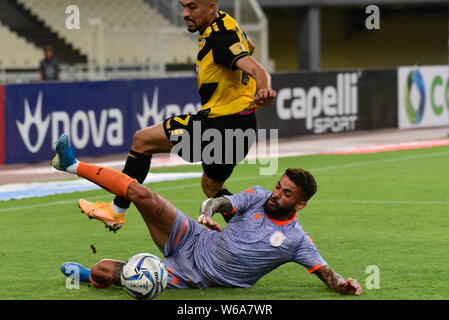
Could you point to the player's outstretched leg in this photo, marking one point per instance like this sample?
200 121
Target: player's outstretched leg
103 274
112 180
146 142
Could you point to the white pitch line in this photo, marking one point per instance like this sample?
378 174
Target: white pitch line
346 165
424 202
40 189
365 163
48 204
403 202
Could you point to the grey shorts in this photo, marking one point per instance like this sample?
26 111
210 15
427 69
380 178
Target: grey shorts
179 254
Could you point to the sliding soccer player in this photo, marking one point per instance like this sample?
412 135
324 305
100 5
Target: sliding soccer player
263 234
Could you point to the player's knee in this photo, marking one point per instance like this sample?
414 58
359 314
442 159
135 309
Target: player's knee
138 193
102 272
140 141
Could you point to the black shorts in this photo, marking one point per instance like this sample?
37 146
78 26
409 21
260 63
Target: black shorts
219 143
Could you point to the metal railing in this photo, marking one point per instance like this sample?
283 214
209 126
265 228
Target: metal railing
247 12
81 72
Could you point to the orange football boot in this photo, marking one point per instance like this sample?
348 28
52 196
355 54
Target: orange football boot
102 211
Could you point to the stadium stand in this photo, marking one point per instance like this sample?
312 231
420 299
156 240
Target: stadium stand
24 54
130 29
28 26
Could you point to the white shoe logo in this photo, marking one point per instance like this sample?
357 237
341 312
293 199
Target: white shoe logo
36 119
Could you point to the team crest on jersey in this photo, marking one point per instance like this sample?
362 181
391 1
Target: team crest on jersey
237 48
277 239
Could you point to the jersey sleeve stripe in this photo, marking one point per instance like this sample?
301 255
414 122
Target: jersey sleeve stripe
234 210
237 58
315 268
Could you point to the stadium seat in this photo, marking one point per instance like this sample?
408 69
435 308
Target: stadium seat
129 28
15 52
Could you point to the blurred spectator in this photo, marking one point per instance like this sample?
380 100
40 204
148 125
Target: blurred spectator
49 66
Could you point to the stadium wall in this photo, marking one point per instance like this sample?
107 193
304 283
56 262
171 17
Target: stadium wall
101 117
2 126
408 35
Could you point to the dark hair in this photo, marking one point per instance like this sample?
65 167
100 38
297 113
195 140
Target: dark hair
304 180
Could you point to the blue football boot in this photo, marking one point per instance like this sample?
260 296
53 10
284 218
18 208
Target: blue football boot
65 156
70 268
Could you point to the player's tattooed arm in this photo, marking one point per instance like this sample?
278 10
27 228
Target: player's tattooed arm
328 276
336 282
211 206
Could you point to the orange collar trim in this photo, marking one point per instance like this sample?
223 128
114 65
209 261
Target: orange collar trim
282 222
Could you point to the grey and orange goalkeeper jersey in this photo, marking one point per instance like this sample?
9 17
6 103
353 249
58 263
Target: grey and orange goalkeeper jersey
250 246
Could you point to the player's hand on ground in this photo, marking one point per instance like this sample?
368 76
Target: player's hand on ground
349 286
265 97
209 222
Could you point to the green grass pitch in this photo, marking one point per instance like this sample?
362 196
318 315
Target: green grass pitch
386 209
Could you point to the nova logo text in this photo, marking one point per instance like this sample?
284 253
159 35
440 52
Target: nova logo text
98 127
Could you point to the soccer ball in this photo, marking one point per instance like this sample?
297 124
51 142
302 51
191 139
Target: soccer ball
144 276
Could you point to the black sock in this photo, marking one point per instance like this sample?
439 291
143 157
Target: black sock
224 192
137 166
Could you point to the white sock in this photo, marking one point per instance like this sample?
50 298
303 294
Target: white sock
117 209
73 167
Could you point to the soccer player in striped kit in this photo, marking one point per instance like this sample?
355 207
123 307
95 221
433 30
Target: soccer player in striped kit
232 85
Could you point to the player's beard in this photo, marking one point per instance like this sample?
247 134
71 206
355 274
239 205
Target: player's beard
278 211
193 28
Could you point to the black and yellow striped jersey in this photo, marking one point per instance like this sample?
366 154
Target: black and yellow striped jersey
224 89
